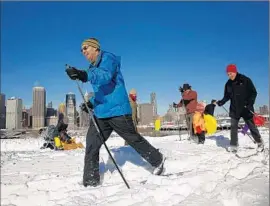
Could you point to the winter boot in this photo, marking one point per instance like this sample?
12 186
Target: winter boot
260 146
159 169
232 148
91 176
91 183
201 142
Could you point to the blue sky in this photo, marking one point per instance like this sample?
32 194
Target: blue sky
162 45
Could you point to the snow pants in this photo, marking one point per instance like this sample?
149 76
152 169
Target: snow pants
124 127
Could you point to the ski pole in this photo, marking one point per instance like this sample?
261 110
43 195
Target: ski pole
90 112
251 111
178 124
241 127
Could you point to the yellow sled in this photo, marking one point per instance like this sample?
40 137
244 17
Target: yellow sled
210 124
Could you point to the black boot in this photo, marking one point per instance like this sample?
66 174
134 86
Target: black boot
201 138
201 142
91 175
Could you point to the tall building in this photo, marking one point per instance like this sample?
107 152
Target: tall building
39 107
30 117
71 110
50 111
154 103
25 118
52 120
2 111
51 115
14 113
146 114
70 97
263 110
84 117
50 105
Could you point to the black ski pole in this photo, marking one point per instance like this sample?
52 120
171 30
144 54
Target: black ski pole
241 127
178 123
90 112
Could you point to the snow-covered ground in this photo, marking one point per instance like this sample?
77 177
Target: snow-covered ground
200 174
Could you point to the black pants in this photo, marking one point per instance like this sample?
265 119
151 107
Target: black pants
252 127
201 137
124 127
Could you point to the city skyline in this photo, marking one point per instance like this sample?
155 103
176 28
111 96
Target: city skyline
18 117
170 46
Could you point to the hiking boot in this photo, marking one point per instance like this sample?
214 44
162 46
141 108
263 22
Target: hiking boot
232 148
91 183
159 169
201 142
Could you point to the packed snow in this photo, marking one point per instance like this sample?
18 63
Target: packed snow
195 175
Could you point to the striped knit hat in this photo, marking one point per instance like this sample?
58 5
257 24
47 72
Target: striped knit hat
91 42
133 91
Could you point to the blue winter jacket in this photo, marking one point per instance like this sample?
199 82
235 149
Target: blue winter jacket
110 96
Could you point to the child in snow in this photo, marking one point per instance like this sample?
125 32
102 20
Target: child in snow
199 126
198 122
210 108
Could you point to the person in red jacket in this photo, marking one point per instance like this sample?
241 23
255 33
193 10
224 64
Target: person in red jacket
189 101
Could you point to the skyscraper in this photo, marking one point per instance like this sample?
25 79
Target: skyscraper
30 117
50 111
70 98
14 113
50 105
263 110
39 107
2 111
146 114
71 110
84 117
154 103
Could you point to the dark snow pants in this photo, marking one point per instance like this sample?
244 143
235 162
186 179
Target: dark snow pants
252 127
124 127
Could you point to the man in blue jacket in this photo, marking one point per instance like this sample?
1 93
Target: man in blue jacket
112 110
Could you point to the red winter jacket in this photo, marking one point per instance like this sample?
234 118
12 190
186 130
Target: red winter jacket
190 101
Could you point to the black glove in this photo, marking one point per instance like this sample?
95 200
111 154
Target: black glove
249 107
181 89
74 73
174 105
219 103
84 108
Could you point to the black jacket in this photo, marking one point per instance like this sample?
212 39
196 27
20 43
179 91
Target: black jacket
242 92
210 109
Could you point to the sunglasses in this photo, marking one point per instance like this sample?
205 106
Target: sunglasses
84 48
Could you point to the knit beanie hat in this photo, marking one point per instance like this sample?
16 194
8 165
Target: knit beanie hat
231 68
133 91
92 42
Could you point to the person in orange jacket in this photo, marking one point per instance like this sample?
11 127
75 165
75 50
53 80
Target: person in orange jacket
134 107
199 126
